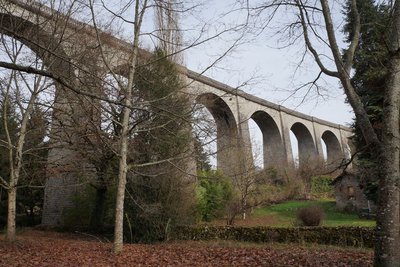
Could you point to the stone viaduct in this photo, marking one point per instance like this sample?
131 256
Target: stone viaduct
70 50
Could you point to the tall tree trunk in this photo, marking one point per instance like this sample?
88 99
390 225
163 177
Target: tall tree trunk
123 168
11 215
387 252
123 151
16 159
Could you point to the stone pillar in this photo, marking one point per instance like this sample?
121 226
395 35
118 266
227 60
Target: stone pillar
286 140
74 123
318 145
244 143
63 162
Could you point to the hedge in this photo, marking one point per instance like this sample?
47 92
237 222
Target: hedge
341 236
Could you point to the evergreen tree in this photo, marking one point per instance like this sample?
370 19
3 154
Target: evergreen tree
370 73
202 160
157 191
161 195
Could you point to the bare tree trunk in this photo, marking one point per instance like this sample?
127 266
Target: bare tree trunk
11 215
15 171
15 157
387 252
123 151
123 167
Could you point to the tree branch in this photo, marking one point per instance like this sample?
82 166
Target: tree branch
309 44
349 55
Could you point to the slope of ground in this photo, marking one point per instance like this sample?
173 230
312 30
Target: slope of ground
35 248
284 215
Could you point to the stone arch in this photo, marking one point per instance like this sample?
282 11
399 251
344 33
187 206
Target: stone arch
51 51
333 148
39 41
306 146
226 130
273 147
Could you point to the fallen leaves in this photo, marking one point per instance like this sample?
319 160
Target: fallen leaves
36 248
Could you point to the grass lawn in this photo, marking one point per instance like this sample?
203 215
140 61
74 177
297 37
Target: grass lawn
284 214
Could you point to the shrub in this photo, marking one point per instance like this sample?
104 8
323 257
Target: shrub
213 194
341 236
310 216
321 187
294 189
156 204
79 214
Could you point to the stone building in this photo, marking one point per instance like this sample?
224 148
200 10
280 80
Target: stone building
349 194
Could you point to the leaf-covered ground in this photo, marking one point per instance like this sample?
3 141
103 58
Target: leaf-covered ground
37 248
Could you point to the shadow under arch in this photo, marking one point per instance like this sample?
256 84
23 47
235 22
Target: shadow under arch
273 148
44 44
333 148
227 134
306 146
58 64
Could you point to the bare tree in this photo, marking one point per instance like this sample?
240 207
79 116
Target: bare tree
22 92
315 24
140 9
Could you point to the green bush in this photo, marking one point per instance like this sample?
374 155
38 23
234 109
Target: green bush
321 187
214 192
341 236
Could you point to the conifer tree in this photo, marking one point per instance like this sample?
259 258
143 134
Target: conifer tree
370 72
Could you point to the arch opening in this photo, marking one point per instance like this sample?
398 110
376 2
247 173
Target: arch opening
307 152
324 150
295 149
256 144
334 153
225 128
273 150
205 138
